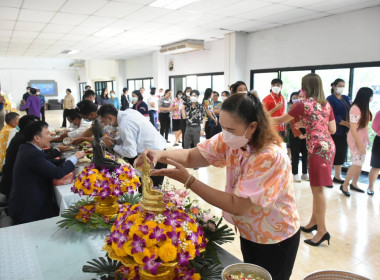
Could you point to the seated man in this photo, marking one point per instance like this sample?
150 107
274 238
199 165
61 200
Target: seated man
87 110
89 95
136 134
77 126
11 120
32 195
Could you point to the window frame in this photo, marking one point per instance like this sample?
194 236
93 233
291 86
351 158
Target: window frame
151 84
197 75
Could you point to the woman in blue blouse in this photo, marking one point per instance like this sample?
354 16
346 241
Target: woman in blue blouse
341 106
114 100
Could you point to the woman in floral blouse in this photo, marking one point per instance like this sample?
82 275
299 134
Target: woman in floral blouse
318 119
259 198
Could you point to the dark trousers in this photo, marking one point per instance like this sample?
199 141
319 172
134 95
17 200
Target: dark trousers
153 117
298 146
183 128
65 113
209 126
157 180
42 113
217 129
164 124
277 258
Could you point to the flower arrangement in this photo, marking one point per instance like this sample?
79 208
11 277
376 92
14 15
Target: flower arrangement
105 183
151 240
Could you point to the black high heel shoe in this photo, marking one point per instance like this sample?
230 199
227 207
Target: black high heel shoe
369 192
344 192
324 237
308 230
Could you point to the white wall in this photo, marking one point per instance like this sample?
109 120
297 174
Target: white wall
139 67
15 73
344 38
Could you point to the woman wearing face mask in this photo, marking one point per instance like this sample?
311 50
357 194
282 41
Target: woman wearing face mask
139 104
259 197
297 142
103 99
225 95
341 106
357 138
239 87
186 101
210 120
164 115
177 105
318 118
114 100
216 106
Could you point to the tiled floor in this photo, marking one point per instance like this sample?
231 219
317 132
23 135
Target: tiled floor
353 223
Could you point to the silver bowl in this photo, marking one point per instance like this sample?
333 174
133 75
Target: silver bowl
246 268
334 275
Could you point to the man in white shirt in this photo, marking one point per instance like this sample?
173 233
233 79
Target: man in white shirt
152 102
78 125
136 134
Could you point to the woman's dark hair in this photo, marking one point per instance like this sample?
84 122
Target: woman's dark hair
153 91
226 92
236 85
207 94
125 89
103 92
10 116
69 90
291 96
25 120
167 90
32 91
215 92
335 83
194 91
187 88
362 101
86 107
33 129
178 92
248 109
276 81
74 114
107 109
139 95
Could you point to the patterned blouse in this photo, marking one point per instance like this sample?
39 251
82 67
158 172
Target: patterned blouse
177 113
316 118
194 115
4 134
263 176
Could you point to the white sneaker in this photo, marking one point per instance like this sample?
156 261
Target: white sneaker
296 178
305 177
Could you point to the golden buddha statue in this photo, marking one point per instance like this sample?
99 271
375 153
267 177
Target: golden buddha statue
152 200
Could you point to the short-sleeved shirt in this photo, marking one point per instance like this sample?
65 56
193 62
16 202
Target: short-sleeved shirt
263 176
42 100
194 115
208 105
154 99
341 108
355 116
68 102
270 101
216 105
164 103
177 113
316 118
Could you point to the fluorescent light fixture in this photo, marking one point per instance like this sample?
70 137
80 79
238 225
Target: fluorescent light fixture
108 32
70 51
171 4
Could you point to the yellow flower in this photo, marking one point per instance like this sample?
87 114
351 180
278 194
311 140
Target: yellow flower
123 176
119 252
167 252
196 276
134 230
128 247
138 257
151 224
154 251
134 207
190 248
165 227
134 217
150 242
193 227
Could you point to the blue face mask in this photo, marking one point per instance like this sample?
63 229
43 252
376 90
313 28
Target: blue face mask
17 128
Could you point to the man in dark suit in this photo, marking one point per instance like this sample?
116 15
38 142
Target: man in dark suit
32 194
124 100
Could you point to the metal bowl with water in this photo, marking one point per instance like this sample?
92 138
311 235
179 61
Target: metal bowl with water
257 271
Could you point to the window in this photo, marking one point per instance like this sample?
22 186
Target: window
215 81
99 86
218 83
203 83
136 84
291 82
328 76
261 83
81 89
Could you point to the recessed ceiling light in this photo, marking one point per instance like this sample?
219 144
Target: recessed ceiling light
108 32
171 4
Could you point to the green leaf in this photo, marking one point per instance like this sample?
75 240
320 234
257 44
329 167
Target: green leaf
102 266
130 198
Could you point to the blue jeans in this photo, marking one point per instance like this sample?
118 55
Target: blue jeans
153 117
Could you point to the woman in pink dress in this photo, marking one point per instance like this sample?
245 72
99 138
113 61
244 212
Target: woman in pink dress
357 138
318 119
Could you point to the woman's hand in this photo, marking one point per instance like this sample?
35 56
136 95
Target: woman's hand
179 173
151 155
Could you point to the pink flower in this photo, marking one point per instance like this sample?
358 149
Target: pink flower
151 264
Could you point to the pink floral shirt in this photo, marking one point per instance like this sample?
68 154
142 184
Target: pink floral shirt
316 118
177 113
265 177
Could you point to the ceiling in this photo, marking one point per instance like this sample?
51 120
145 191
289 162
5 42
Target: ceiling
127 28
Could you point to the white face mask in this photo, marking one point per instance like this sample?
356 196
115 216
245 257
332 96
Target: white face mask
188 93
276 90
244 91
339 90
113 95
295 100
134 100
194 98
179 96
224 98
233 141
38 93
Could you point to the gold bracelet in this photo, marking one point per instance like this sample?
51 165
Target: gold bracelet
189 182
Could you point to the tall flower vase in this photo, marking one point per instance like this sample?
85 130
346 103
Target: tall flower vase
165 272
107 207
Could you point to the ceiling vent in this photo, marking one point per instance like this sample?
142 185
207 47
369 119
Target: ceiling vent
78 63
183 46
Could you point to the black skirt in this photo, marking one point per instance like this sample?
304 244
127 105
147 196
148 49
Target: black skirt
375 157
341 147
177 125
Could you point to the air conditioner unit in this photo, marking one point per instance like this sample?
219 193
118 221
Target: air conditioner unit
183 46
77 63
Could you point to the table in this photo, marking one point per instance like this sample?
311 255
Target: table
40 250
65 197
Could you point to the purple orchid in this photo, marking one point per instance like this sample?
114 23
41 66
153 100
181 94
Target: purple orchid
183 259
194 238
158 234
121 241
106 192
151 264
114 236
104 170
172 222
87 184
80 176
118 170
138 244
97 184
117 192
144 229
149 217
127 226
174 236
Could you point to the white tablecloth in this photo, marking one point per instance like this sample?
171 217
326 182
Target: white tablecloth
65 197
41 250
